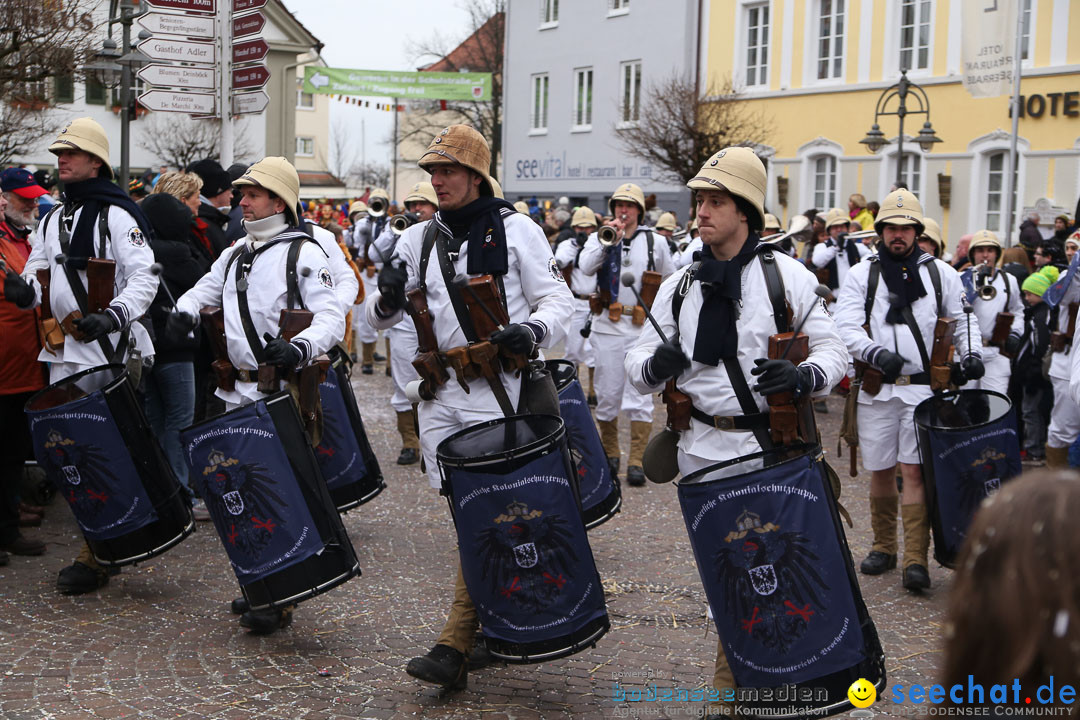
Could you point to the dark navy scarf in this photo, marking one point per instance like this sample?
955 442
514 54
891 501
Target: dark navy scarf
95 195
483 220
721 287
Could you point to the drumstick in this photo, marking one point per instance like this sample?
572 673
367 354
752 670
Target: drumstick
628 281
462 281
822 292
157 270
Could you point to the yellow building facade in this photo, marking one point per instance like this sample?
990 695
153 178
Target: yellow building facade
816 69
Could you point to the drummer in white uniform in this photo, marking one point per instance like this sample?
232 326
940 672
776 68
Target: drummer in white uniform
835 257
366 230
567 254
475 234
724 321
993 294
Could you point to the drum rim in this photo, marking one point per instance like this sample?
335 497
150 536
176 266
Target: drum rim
957 393
551 439
246 407
560 362
603 628
169 544
607 514
813 451
73 378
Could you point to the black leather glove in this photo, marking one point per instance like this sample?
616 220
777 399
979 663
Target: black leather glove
777 376
279 351
1012 345
973 367
95 326
668 361
392 287
516 338
956 375
179 324
890 364
17 290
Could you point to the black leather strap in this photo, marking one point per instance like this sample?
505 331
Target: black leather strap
909 318
746 401
756 421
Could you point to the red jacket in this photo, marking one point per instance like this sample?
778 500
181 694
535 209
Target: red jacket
20 370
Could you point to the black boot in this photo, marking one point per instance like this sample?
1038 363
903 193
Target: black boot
408 456
443 665
367 369
480 657
916 578
239 606
613 466
877 562
264 622
635 476
78 578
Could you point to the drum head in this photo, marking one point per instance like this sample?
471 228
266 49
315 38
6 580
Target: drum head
563 372
76 387
737 467
962 409
499 440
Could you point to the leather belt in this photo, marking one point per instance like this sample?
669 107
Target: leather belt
732 423
580 296
247 375
922 378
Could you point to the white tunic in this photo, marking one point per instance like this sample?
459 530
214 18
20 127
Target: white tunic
134 287
986 311
824 253
346 286
567 252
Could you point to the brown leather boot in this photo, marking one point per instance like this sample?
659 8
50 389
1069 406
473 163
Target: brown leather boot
639 439
1057 457
882 555
916 546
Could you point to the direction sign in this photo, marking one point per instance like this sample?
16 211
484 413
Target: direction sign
249 50
248 24
179 76
168 101
253 76
248 103
197 26
194 5
244 5
182 50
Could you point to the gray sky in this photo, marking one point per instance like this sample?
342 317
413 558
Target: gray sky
373 35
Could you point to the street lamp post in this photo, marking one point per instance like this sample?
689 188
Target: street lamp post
901 91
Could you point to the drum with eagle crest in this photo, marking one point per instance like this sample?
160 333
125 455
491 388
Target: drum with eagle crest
94 443
524 550
777 572
255 469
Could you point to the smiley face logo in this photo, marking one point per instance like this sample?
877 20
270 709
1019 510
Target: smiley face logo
862 693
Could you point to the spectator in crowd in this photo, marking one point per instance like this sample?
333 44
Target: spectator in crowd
1030 237
1061 227
1027 367
873 206
214 201
46 181
961 255
235 229
186 187
858 212
137 190
1012 612
1049 252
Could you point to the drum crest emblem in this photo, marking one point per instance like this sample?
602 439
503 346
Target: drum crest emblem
527 556
983 478
770 582
242 502
81 470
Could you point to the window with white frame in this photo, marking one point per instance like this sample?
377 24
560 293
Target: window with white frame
618 7
910 171
305 147
915 34
757 44
630 109
830 39
1026 30
538 122
549 13
304 100
583 86
995 190
824 180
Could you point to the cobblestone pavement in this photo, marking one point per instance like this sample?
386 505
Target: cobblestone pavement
159 642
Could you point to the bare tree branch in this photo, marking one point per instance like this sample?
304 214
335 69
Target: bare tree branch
178 141
342 157
679 130
368 175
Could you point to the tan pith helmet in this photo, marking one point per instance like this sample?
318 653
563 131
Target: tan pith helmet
836 216
381 193
631 193
522 207
496 188
667 222
772 223
583 217
357 206
900 207
277 175
85 134
738 171
422 192
983 238
932 231
460 145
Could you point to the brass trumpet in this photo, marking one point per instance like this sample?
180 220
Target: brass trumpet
608 236
377 207
983 277
402 222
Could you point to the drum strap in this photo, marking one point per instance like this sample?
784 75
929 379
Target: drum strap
246 259
112 355
649 242
909 318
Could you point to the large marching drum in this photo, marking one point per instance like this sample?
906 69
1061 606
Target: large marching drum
778 575
257 473
600 494
525 554
968 446
92 439
345 457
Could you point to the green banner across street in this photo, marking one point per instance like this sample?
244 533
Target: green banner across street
402 85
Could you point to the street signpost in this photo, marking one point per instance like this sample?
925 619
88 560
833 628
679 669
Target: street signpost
248 24
180 76
207 6
249 103
164 23
180 50
249 51
168 101
249 77
239 6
